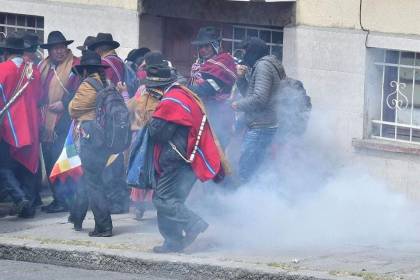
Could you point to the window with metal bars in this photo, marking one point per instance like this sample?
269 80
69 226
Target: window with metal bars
397 113
232 37
17 22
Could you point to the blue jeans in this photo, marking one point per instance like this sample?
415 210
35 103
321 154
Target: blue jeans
253 151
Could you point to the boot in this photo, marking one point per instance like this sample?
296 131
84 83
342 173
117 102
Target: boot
105 233
192 233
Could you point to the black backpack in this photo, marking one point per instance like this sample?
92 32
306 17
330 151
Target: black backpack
294 107
112 116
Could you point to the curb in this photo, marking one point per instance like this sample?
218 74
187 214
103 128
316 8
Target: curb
109 262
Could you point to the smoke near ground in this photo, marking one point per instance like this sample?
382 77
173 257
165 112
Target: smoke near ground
307 197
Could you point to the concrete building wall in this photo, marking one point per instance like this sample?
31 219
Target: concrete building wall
77 21
390 16
126 4
333 64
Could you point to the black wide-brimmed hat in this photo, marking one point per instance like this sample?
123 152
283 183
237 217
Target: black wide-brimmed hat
159 72
14 42
31 39
56 38
88 41
136 53
89 59
207 35
104 39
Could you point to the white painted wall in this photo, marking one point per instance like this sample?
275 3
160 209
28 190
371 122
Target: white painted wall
77 21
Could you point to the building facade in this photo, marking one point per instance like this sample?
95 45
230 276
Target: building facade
358 59
360 62
75 18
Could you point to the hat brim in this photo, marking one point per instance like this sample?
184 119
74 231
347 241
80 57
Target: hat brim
47 46
153 83
204 42
25 47
112 44
79 68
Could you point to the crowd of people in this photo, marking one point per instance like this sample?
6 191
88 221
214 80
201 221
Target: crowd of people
104 133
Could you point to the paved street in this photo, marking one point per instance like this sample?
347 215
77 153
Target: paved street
134 240
12 270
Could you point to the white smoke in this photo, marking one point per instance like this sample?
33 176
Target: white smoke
308 197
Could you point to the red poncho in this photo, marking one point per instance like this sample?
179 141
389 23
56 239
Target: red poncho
20 126
181 107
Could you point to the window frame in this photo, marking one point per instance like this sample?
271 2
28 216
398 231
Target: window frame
401 101
258 29
16 26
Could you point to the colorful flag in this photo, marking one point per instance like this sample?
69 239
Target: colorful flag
68 164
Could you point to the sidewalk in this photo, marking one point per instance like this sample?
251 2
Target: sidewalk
50 239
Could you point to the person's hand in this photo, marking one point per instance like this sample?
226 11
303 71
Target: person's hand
56 107
241 70
121 87
234 106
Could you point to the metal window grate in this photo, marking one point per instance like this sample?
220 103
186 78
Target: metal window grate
17 22
399 118
272 36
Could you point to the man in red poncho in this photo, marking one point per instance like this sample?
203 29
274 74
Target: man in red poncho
19 124
184 149
212 78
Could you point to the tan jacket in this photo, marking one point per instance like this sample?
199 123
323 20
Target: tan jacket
83 105
141 107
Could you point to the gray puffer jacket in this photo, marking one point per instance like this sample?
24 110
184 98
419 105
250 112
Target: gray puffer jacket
260 102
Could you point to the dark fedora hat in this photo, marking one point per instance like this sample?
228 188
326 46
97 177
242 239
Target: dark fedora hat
158 71
133 55
31 39
89 40
89 59
14 42
104 39
207 35
56 38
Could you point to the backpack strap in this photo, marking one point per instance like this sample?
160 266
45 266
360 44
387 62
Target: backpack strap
97 85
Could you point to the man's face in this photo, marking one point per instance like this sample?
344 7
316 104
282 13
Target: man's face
58 53
206 51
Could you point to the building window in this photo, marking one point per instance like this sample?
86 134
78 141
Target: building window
397 98
15 22
234 35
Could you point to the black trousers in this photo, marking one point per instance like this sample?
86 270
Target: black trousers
116 186
92 188
173 188
15 179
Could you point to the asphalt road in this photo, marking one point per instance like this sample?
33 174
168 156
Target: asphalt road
13 270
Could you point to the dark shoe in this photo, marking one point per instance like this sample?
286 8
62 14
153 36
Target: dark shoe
21 206
56 208
106 233
193 232
168 248
139 214
27 213
78 227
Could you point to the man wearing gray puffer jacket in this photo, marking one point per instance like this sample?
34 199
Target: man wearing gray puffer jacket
259 104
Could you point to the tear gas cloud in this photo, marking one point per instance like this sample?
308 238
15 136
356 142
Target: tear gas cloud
306 197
